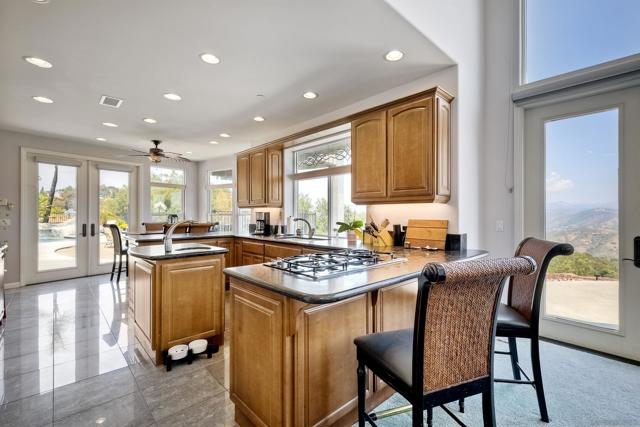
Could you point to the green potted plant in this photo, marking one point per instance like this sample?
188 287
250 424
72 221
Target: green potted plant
350 228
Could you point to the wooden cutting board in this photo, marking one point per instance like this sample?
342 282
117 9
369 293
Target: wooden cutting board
427 232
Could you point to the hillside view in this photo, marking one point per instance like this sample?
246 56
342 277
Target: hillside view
592 230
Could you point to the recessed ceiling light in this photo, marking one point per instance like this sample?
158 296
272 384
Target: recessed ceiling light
172 96
149 120
109 124
188 152
209 58
43 99
258 119
38 62
214 142
310 95
41 1
101 139
393 55
225 135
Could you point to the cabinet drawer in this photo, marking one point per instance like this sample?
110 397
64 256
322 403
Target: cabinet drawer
280 251
253 247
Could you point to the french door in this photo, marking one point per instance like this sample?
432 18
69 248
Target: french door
580 185
66 202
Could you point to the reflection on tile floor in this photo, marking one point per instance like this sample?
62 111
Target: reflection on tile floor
68 358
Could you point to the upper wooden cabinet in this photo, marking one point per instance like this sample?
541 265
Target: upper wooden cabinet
401 153
368 157
242 172
259 176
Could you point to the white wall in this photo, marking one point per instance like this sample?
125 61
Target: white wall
10 144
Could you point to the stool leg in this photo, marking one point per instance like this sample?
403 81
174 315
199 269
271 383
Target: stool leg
513 350
361 393
417 415
537 378
461 405
119 270
488 409
429 417
113 267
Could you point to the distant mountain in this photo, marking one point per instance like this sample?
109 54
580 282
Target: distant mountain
589 229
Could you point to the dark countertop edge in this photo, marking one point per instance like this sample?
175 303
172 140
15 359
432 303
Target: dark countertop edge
185 254
338 296
326 298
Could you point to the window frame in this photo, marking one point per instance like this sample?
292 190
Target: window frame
181 187
604 71
330 172
211 187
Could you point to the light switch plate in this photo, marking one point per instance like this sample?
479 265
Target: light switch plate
500 226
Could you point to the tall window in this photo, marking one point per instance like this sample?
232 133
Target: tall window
567 35
221 199
167 193
322 185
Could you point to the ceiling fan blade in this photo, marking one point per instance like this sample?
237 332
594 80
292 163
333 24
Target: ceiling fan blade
181 159
138 155
171 152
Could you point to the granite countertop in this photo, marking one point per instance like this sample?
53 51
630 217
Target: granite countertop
337 288
184 250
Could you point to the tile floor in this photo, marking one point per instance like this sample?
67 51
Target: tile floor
68 358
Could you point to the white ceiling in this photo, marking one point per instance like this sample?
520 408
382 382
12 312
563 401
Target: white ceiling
139 49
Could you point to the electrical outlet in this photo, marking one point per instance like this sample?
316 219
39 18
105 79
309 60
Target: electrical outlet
4 202
500 226
5 222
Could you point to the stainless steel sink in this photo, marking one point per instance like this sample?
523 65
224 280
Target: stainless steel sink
190 248
309 238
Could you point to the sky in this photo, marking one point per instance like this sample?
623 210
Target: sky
565 35
582 159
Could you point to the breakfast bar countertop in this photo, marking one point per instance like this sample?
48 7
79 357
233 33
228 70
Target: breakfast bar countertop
332 289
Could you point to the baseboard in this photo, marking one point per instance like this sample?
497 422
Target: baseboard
13 285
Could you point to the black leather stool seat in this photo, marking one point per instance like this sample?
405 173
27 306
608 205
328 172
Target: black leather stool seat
392 350
510 319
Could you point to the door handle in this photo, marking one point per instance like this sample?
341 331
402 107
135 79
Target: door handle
636 252
84 230
93 230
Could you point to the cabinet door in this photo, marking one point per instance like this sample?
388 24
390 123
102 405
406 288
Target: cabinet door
369 157
257 173
228 257
410 150
237 252
257 383
192 300
242 178
274 177
142 276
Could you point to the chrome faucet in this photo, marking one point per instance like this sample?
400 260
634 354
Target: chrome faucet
168 237
312 230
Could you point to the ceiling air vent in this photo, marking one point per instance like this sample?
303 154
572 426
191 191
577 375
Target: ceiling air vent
110 101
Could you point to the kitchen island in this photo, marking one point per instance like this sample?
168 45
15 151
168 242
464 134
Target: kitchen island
176 296
292 357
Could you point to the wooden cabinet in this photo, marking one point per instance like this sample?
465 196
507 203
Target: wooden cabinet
369 157
237 252
274 178
272 251
259 176
401 152
229 256
177 301
243 179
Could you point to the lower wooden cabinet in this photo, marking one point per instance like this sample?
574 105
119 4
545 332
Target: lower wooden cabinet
294 364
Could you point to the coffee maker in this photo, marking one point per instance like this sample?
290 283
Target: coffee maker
262 224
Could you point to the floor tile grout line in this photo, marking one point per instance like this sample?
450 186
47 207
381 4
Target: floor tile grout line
92 407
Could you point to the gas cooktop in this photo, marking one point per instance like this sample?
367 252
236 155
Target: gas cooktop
334 263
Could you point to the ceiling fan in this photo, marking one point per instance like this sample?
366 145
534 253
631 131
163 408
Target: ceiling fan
156 154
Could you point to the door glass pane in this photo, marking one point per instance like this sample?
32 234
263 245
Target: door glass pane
113 208
312 204
567 35
57 216
221 208
165 201
582 209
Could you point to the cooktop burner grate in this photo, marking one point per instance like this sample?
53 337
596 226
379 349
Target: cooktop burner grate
325 265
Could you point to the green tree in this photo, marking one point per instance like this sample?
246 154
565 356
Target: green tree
586 265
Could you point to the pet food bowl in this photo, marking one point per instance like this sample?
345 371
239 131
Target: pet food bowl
198 346
178 352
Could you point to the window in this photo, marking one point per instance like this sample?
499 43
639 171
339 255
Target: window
322 184
564 36
221 199
167 193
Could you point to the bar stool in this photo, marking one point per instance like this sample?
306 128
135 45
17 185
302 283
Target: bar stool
118 250
448 355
